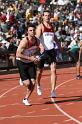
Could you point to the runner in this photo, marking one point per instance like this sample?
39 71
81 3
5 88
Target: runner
45 32
26 60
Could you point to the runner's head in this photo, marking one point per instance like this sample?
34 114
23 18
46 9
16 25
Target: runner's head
31 30
46 16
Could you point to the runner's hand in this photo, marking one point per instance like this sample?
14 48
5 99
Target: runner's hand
34 59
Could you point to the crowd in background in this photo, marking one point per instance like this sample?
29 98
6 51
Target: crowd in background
16 15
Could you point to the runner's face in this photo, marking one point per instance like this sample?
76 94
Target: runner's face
31 31
46 16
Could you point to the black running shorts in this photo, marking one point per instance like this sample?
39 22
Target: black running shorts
48 56
26 70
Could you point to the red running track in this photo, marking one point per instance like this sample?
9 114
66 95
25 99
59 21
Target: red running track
65 109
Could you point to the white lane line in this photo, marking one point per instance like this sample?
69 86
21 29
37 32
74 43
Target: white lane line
70 104
65 82
26 116
61 110
68 120
45 109
9 91
55 123
14 104
66 114
32 112
61 94
15 88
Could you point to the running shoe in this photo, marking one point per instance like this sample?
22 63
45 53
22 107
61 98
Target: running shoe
78 77
53 94
21 82
46 65
26 102
39 90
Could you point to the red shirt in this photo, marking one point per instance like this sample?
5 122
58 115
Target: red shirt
42 1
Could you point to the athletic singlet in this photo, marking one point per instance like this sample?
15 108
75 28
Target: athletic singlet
47 38
30 51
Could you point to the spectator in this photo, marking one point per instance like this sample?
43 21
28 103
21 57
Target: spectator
12 51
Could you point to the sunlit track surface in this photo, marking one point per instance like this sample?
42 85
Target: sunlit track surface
65 109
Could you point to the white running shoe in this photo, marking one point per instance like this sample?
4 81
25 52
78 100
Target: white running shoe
39 91
78 77
26 102
21 82
46 65
53 94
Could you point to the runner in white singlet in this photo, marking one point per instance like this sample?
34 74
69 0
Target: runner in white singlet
45 32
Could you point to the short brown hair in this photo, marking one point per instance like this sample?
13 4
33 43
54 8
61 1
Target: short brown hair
30 25
46 11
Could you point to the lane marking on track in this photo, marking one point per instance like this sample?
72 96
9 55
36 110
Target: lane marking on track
61 110
32 112
69 104
9 91
26 116
68 120
45 109
15 88
14 104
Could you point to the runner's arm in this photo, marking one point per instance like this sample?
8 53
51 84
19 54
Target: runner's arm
38 35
